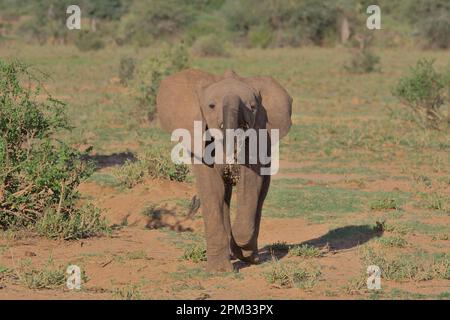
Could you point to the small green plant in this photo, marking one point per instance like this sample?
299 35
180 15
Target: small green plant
423 91
363 61
393 241
279 276
305 278
154 70
195 253
287 275
356 285
49 276
126 70
129 292
385 204
436 201
305 251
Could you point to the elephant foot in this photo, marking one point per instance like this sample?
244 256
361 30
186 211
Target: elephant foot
248 256
252 259
219 265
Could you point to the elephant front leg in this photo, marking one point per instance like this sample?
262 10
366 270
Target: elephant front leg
251 192
212 197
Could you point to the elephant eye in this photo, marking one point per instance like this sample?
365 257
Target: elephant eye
211 105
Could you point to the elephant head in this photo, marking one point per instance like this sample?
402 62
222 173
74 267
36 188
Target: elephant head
222 102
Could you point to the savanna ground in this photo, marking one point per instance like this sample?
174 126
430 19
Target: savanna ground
359 184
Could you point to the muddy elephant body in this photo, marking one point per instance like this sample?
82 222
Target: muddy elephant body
221 103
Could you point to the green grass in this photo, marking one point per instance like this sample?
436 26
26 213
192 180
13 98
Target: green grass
128 292
393 241
417 266
199 273
49 276
195 253
282 275
414 226
387 203
305 251
290 198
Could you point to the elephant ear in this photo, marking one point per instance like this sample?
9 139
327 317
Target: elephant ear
276 101
177 101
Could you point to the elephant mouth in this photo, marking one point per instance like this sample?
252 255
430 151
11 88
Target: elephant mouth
232 172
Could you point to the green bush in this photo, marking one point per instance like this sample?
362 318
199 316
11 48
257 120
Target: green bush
260 37
153 70
126 69
148 20
424 92
89 41
38 173
82 223
314 19
209 46
154 163
436 32
363 61
432 21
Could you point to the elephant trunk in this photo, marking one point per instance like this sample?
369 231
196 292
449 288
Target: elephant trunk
230 112
231 109
230 120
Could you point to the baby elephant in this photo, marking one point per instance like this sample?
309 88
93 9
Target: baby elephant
223 103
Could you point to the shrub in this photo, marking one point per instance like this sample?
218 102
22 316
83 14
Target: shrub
154 163
89 41
209 46
314 19
85 222
154 70
423 91
38 173
152 19
260 37
363 61
436 32
431 18
126 69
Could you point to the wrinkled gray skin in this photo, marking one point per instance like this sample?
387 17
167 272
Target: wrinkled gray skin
226 102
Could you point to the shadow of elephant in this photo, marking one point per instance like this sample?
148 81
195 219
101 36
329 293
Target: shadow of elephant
335 240
109 160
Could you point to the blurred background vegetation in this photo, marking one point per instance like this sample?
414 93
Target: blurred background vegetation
208 24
